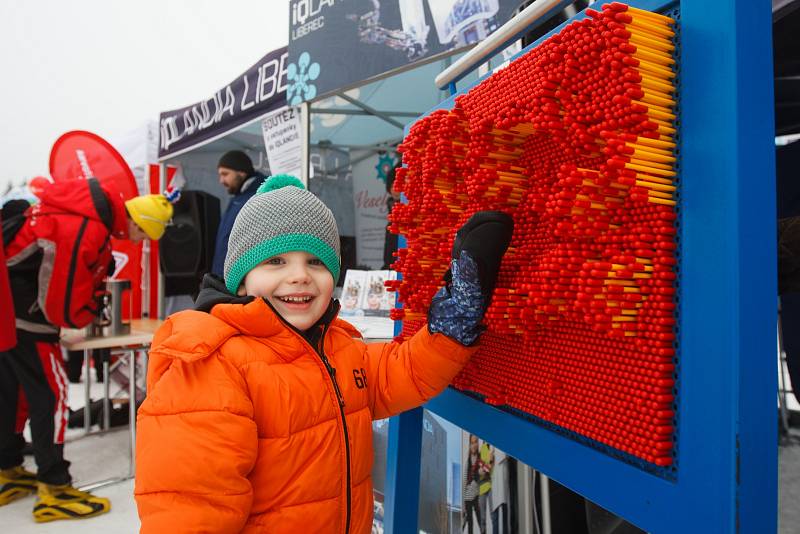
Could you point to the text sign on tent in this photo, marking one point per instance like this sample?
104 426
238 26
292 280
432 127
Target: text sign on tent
282 141
258 90
333 43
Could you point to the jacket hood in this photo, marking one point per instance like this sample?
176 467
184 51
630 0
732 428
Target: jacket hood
213 292
89 198
220 315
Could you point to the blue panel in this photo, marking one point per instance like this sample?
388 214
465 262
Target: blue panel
401 504
726 479
727 448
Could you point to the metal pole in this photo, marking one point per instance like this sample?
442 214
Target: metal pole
162 186
781 375
544 487
145 260
87 369
106 394
132 409
145 365
525 502
372 111
305 141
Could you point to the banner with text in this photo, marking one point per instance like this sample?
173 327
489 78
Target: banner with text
336 43
261 89
370 199
283 142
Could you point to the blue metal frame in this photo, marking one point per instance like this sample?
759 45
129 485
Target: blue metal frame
727 441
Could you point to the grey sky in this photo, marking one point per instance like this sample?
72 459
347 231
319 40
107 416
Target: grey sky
108 66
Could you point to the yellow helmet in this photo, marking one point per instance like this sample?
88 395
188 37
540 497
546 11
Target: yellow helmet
151 213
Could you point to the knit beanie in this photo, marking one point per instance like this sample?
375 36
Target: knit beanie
281 217
238 161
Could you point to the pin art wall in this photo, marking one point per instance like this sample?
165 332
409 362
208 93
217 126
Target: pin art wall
629 350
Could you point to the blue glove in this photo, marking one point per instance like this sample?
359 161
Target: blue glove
457 309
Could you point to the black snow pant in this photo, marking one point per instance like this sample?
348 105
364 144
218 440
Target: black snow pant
34 369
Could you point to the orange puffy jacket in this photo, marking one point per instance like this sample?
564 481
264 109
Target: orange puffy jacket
244 429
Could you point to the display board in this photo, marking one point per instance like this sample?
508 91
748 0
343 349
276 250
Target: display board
575 140
336 44
629 344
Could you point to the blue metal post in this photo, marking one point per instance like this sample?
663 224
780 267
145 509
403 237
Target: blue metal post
451 87
401 502
728 280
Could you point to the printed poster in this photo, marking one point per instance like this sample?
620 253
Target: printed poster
282 140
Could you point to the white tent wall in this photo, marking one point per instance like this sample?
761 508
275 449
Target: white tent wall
139 147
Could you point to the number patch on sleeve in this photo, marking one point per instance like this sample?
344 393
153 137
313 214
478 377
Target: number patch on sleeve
360 376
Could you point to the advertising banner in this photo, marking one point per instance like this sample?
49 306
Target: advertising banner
81 154
283 142
257 91
337 43
370 203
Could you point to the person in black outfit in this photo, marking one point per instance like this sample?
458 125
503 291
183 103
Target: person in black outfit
471 485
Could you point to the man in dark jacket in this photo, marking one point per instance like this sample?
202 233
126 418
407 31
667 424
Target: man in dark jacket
58 253
237 175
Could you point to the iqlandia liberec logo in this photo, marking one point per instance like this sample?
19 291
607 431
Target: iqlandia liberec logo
299 76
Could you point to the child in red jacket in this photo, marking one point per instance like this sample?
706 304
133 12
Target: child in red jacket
260 402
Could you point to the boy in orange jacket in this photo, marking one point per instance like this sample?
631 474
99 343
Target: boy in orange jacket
260 401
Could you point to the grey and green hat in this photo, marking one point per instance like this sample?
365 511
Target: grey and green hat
281 217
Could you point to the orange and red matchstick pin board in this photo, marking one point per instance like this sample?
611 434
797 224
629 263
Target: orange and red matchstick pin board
576 140
629 351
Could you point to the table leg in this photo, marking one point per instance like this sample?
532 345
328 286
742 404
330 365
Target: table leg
87 380
106 395
146 362
132 407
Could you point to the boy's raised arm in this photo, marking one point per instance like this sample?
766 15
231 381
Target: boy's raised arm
403 376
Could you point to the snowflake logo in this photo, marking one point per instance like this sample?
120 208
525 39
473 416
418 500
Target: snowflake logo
385 164
299 76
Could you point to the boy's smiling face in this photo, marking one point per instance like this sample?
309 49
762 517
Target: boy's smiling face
297 284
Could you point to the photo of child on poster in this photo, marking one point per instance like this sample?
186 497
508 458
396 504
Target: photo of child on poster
352 289
485 487
379 301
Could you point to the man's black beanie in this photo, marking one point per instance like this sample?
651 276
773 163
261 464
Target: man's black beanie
238 161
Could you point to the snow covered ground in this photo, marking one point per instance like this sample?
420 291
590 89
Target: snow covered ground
93 458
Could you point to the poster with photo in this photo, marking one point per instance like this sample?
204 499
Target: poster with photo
485 487
377 300
353 290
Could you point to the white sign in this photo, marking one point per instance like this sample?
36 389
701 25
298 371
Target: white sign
369 200
281 131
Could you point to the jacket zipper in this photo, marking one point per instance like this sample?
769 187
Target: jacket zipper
332 374
71 273
340 398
